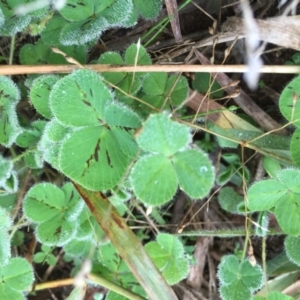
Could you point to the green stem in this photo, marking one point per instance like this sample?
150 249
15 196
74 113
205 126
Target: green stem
12 49
247 236
113 287
17 158
227 233
264 263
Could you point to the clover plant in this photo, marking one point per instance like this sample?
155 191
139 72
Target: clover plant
120 137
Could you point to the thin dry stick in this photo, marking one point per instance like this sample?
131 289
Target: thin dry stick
172 9
45 69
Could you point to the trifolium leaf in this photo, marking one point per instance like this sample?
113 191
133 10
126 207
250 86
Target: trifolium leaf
195 172
34 54
137 55
6 167
54 210
40 92
9 124
51 34
79 99
117 114
82 32
291 179
229 200
112 58
118 12
264 194
287 211
77 11
17 274
154 180
155 83
177 89
289 103
93 157
168 255
4 247
148 9
6 222
292 246
238 278
294 146
162 135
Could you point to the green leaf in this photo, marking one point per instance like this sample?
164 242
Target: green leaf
238 279
6 167
118 12
93 157
9 124
55 210
131 20
112 58
30 136
229 200
292 246
195 172
235 291
128 87
51 34
291 179
162 135
154 180
271 165
2 18
84 94
148 9
137 55
7 293
78 248
117 114
225 174
83 32
287 211
13 24
9 92
39 207
168 255
39 257
34 54
289 103
4 247
294 146
89 229
18 238
76 52
17 274
177 90
205 83
265 194
154 83
8 201
6 222
55 131
74 10
12 183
